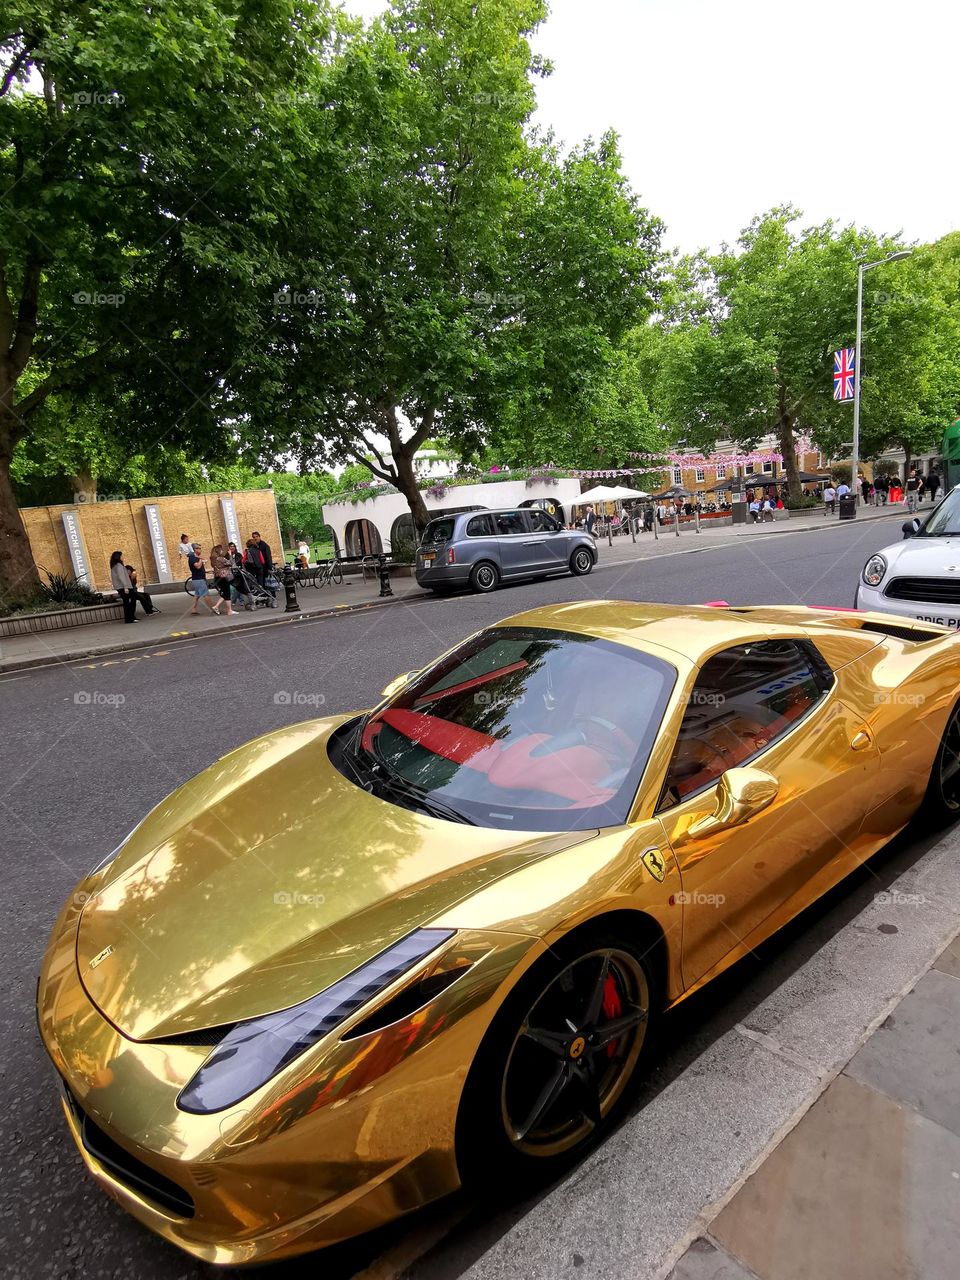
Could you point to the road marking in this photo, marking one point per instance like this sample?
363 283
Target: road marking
116 662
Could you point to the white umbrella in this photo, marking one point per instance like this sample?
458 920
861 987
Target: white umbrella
610 493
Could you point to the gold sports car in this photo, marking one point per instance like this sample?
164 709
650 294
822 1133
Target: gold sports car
363 958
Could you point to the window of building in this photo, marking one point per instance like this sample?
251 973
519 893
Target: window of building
768 468
701 475
749 468
721 471
678 475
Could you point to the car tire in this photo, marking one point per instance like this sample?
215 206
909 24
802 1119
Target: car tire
592 1084
941 804
484 577
581 562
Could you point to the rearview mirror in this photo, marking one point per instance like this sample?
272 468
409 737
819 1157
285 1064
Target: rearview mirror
910 527
396 684
741 793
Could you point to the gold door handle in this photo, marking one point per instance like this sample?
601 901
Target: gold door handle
860 741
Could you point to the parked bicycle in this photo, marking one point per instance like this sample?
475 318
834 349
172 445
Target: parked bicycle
328 571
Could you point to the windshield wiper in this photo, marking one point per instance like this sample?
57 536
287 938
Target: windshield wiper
386 779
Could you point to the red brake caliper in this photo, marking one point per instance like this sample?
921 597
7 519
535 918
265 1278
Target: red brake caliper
612 1007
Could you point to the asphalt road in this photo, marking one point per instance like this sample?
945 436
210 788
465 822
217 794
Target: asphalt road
90 746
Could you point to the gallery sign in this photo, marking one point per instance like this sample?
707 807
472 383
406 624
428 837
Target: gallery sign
78 552
155 527
230 521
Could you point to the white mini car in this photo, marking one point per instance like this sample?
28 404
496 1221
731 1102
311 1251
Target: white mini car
920 576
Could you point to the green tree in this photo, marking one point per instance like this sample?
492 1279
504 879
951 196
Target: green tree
472 273
752 331
144 152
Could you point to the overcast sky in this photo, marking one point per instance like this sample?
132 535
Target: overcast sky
728 107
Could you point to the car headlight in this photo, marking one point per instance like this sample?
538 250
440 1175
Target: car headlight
874 570
253 1052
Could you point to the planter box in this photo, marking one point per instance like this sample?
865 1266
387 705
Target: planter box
60 619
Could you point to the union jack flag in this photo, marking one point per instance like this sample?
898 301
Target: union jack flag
844 372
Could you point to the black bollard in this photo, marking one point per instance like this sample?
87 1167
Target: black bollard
290 587
385 588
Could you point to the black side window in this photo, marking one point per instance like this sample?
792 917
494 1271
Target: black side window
744 699
541 522
510 522
480 527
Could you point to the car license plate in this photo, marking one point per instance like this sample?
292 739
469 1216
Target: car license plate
429 557
938 621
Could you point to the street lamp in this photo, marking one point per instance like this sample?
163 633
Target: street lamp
855 452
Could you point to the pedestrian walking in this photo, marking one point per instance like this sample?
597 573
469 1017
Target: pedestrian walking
265 552
913 491
198 574
933 483
882 486
239 582
184 547
830 498
590 521
125 588
253 562
303 551
222 566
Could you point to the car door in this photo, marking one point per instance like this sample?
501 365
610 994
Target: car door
771 706
513 543
547 541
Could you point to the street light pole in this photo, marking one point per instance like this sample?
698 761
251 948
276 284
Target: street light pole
858 366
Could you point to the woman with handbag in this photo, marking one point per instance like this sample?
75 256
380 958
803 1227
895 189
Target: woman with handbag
222 566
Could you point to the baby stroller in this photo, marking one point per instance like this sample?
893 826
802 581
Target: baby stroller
249 592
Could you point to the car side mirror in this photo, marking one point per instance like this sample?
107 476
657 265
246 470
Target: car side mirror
741 793
396 684
910 527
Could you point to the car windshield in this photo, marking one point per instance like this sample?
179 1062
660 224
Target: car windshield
438 531
945 519
527 728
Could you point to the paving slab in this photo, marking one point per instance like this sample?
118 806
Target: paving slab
863 1188
707 1261
949 961
914 1057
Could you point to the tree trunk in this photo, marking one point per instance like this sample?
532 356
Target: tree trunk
907 461
407 484
19 582
788 447
84 486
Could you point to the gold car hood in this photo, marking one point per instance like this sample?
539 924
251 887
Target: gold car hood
266 878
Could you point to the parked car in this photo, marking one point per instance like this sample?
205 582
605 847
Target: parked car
920 576
479 549
275 1034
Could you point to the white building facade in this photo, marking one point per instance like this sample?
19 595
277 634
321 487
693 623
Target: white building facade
368 526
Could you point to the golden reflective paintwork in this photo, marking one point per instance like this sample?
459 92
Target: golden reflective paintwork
270 876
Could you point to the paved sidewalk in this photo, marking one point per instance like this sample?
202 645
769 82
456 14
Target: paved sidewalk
867 1185
175 623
